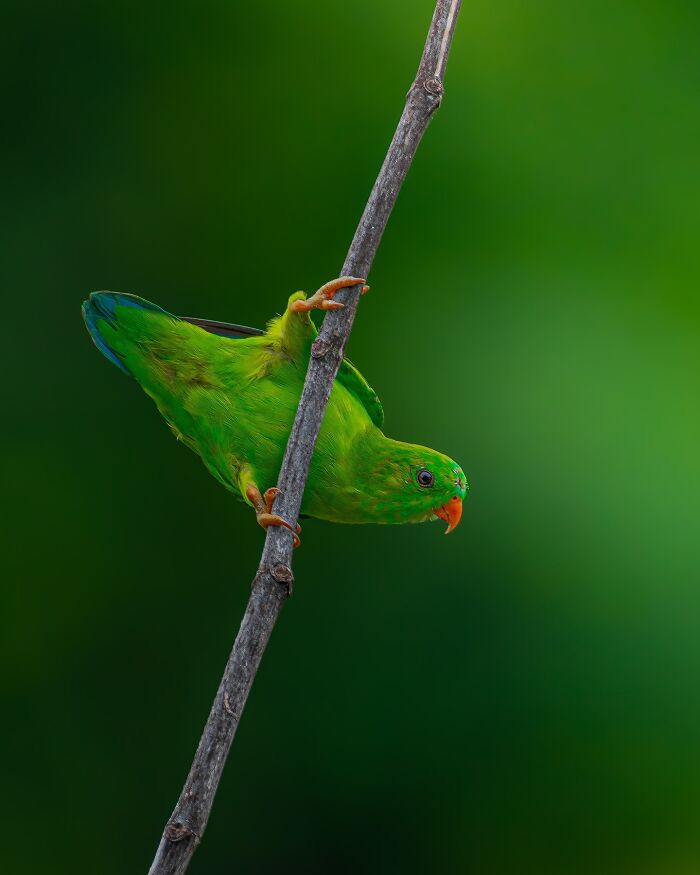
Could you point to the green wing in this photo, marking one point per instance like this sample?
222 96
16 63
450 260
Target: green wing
348 375
353 381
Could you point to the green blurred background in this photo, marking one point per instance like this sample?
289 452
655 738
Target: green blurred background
522 697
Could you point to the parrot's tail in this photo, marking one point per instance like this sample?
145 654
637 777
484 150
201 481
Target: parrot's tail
101 307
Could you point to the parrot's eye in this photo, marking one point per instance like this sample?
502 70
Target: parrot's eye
425 478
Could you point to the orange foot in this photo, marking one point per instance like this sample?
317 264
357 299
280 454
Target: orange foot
323 298
263 510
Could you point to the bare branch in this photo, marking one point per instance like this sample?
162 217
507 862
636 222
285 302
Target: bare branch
274 579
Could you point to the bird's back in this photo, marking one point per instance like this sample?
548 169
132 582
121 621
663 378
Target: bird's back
231 401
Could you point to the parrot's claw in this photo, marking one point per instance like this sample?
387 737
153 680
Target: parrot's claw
323 298
263 510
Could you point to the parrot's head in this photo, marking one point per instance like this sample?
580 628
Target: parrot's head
425 484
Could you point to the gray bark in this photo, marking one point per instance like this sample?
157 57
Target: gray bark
273 582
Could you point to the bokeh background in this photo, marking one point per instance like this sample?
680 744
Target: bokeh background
522 697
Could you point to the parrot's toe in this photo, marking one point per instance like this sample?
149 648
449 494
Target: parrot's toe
323 298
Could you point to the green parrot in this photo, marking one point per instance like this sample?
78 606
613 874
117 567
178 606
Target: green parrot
230 393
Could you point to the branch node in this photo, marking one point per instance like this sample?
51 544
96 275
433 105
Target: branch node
319 348
283 574
434 87
176 832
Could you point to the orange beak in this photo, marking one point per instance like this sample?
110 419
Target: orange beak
451 512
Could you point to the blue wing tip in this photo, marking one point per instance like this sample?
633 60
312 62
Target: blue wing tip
101 305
